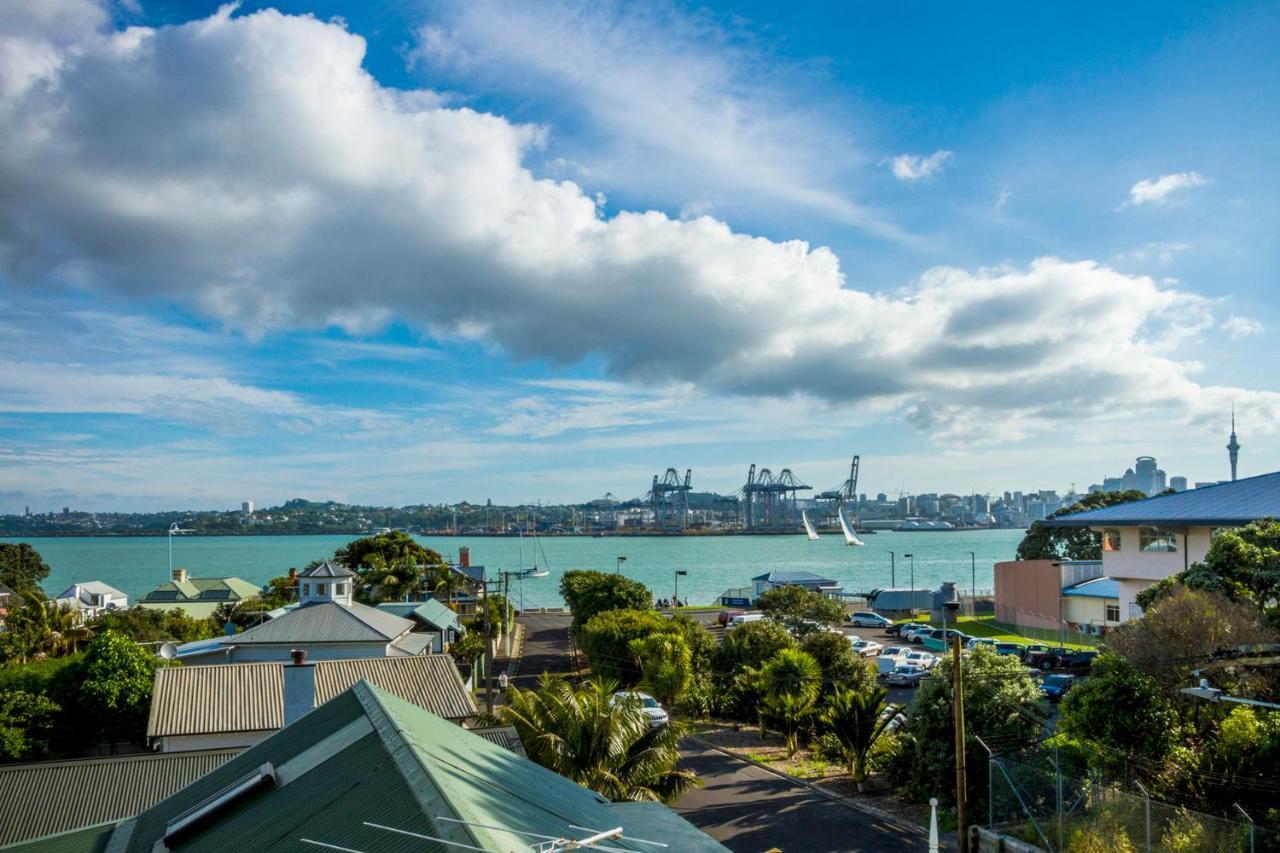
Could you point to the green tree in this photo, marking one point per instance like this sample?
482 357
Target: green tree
606 641
1241 564
800 610
603 745
468 648
1001 705
27 722
588 593
791 679
390 565
858 719
749 645
701 642
1072 543
21 567
839 663
1122 710
149 625
666 665
112 696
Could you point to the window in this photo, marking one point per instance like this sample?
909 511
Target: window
1113 612
1157 540
1111 539
306 589
319 589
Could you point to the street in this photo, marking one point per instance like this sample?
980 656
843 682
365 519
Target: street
750 809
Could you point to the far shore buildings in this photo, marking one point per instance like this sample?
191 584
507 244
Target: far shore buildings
1143 542
199 598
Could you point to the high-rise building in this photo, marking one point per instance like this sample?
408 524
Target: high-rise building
246 508
1233 446
1178 484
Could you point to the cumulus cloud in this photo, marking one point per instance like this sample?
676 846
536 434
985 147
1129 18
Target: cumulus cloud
250 167
915 167
1158 190
1241 327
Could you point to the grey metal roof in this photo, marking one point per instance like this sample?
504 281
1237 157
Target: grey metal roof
504 736
412 644
432 612
55 796
1220 505
327 570
793 577
327 622
249 697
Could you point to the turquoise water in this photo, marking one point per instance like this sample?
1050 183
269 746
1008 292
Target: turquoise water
714 563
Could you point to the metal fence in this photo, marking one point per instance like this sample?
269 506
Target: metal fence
1032 801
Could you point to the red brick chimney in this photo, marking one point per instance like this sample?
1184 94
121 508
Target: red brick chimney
464 557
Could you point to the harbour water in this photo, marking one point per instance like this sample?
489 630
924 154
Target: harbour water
714 563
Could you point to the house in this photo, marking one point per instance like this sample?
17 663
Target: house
199 598
328 624
48 797
370 771
1148 540
1093 606
808 580
429 617
92 599
9 600
206 707
1031 594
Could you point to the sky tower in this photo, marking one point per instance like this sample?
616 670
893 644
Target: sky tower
1233 446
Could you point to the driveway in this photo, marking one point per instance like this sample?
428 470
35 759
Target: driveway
746 808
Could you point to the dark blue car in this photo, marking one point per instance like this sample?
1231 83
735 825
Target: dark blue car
1054 687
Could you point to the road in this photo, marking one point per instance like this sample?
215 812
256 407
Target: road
749 809
546 647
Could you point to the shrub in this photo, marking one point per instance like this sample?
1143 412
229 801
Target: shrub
606 641
840 665
749 645
588 593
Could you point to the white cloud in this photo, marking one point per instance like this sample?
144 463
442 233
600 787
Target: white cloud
1241 327
915 167
249 167
1158 190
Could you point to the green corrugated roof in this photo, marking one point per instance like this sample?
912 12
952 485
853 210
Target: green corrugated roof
431 611
371 756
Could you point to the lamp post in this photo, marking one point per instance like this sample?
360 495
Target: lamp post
912 558
679 572
621 560
892 574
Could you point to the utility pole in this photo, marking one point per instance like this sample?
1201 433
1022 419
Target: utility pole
958 712
488 654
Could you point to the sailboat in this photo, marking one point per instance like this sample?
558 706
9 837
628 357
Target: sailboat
847 529
808 525
534 572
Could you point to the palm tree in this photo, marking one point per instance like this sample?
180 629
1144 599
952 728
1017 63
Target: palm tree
66 629
791 680
666 664
859 720
606 746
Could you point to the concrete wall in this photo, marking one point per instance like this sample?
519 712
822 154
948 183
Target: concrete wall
1027 593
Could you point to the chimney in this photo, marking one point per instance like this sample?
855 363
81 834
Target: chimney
464 557
180 575
299 686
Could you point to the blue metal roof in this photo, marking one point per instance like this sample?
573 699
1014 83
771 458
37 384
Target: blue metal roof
1221 505
793 577
1096 588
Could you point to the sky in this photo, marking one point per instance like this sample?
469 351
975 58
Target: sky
424 252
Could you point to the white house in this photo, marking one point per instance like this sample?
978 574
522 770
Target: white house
92 599
1146 541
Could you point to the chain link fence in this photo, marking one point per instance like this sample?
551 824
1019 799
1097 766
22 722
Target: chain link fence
1031 801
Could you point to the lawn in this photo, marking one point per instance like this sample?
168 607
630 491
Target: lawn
986 626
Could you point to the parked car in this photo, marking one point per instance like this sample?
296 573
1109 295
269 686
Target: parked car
866 648
651 707
1030 650
725 616
1079 660
1054 687
925 660
1014 649
936 642
900 629
1060 658
867 619
894 651
974 642
906 675
890 658
916 634
744 618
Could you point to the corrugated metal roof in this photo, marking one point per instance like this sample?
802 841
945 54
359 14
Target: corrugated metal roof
238 697
328 622
217 590
249 697
792 577
504 736
56 796
412 644
431 611
89 839
1221 505
327 569
1096 588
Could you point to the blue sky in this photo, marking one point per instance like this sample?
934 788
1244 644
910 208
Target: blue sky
425 252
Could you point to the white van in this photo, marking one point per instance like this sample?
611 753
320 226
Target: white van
744 618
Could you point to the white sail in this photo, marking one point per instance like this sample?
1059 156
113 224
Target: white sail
849 538
808 525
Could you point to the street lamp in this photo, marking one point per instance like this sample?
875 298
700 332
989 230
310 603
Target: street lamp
912 558
679 572
892 574
621 560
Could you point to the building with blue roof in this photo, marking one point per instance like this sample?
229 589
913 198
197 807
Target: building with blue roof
1146 541
808 580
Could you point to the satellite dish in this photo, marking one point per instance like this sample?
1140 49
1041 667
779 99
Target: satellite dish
168 651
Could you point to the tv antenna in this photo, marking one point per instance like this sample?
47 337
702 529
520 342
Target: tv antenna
543 844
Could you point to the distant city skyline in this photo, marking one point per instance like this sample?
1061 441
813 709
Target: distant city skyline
433 250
